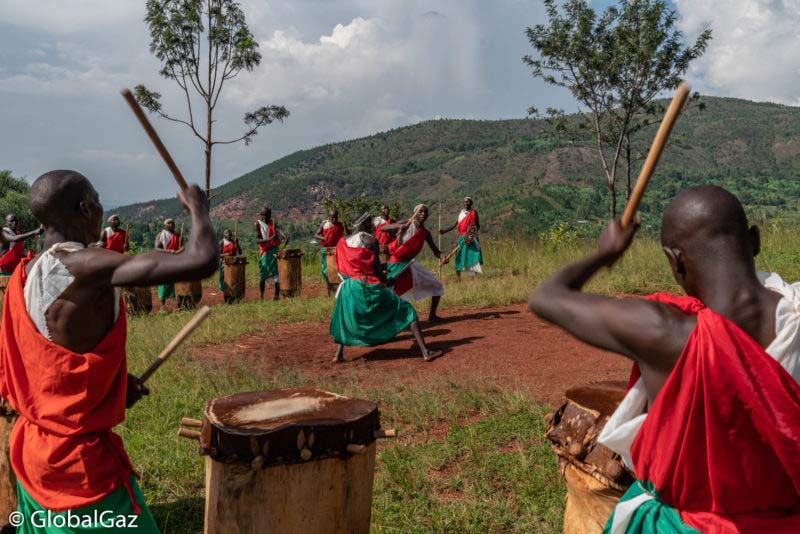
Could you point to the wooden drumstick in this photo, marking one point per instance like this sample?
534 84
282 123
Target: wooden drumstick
185 332
660 141
151 132
127 234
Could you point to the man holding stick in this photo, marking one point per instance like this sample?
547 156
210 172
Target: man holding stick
113 238
366 313
62 355
414 282
711 421
268 238
469 257
167 241
12 244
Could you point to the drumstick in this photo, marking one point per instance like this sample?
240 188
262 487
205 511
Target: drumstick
660 141
180 240
151 132
185 332
440 237
127 234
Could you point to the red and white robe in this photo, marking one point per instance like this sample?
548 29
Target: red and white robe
115 240
467 219
416 282
384 238
10 260
721 442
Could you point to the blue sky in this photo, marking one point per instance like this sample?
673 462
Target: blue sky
344 68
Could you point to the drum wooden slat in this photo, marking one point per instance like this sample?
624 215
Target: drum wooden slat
290 272
189 294
138 299
595 476
278 461
235 279
333 271
8 482
3 284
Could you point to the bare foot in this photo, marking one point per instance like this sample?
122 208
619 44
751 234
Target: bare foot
435 319
337 359
431 355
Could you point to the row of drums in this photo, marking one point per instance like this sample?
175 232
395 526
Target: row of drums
189 294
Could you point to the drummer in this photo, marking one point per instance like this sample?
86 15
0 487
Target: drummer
12 246
384 238
366 313
711 421
268 238
228 246
469 256
113 237
167 241
328 234
63 358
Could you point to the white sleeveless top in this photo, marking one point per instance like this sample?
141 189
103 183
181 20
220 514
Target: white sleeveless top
47 280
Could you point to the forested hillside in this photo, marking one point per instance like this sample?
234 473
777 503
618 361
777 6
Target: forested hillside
522 176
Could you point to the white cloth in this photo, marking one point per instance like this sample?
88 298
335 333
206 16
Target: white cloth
47 280
265 230
165 237
108 232
621 429
377 221
326 224
358 240
425 284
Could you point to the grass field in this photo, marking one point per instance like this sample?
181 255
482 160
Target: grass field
470 458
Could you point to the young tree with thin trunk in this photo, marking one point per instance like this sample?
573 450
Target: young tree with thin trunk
615 65
202 44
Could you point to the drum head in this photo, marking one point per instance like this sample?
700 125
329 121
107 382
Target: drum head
286 426
603 397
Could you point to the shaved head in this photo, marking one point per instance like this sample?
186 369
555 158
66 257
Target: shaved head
705 236
704 215
61 199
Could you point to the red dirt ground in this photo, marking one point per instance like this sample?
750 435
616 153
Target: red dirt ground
506 346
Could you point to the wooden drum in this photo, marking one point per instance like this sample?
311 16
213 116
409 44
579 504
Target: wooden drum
189 294
8 482
138 300
296 460
3 284
333 272
235 281
290 271
596 477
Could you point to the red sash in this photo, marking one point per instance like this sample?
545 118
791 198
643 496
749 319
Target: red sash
263 248
721 442
228 250
384 238
410 249
62 448
466 222
116 241
356 262
174 243
332 235
10 260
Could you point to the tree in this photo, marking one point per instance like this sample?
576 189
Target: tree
202 44
14 199
615 65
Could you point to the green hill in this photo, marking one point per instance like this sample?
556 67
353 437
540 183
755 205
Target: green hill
523 177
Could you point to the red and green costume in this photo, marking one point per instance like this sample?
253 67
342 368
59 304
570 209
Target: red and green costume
267 262
468 255
401 255
330 238
115 240
228 248
62 448
719 449
167 291
365 312
384 238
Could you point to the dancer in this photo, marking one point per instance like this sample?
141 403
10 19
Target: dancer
268 238
468 255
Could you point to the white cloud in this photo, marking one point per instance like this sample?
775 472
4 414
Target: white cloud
72 16
113 156
754 50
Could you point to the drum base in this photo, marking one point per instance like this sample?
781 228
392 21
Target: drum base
187 302
290 293
3 283
331 496
589 502
8 482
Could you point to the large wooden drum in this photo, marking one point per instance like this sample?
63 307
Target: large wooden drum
8 482
235 281
138 300
290 271
189 294
333 272
3 284
296 460
595 476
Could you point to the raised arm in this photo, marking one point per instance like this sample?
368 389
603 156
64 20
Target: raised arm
318 236
282 235
449 228
11 237
651 333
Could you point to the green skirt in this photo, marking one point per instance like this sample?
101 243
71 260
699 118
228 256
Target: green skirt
368 314
393 269
268 264
112 513
324 263
222 277
468 255
651 515
166 291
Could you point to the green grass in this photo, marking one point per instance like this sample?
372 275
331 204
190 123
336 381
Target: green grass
470 457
